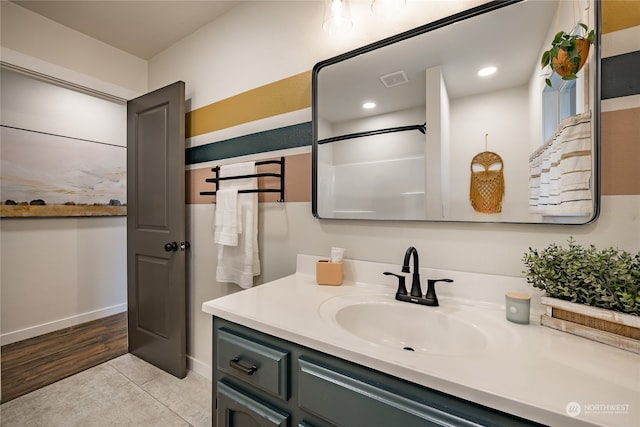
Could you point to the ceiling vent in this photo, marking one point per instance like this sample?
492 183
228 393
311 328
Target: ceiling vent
394 79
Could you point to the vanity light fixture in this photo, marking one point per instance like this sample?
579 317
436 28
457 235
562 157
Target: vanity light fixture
337 19
384 7
369 105
487 71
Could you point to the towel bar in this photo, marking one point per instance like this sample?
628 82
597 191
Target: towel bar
280 175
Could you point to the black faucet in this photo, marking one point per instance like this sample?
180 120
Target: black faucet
416 291
415 296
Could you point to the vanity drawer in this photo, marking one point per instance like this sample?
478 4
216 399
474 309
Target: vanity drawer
236 408
261 365
349 395
346 401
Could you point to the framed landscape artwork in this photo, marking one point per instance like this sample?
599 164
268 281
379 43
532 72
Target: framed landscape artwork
46 175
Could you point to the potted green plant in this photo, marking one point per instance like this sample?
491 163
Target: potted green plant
568 53
589 292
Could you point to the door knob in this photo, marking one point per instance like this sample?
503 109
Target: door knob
184 246
171 246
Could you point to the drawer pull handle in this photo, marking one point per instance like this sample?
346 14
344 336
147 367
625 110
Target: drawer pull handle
239 366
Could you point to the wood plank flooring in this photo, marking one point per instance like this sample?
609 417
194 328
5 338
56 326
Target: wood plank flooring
36 362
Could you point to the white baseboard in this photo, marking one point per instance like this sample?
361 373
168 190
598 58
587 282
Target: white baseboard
45 328
199 367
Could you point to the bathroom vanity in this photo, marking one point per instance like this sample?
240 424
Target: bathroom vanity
293 353
300 386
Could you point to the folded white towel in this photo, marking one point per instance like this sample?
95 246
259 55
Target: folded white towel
227 217
239 264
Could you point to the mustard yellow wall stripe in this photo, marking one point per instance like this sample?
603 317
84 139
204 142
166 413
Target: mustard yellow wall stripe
620 14
282 96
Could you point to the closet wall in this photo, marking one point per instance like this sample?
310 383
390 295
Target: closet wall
57 272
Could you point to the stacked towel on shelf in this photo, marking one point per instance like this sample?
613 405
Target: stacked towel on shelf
560 171
236 226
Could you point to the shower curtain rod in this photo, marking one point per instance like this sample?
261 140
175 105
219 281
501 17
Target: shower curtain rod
421 128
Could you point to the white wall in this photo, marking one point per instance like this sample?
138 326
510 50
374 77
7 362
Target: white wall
64 271
241 51
33 104
31 41
57 272
504 117
438 147
259 42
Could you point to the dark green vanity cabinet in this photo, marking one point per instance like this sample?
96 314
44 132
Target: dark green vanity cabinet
261 380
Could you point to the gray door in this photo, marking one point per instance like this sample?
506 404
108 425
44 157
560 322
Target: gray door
155 228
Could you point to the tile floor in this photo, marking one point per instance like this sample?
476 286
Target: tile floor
125 391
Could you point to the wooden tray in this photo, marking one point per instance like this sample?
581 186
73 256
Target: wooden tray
606 326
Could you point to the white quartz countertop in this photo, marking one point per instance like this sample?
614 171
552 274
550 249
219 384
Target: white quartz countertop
527 370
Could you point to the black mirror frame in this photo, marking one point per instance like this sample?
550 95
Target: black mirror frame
449 20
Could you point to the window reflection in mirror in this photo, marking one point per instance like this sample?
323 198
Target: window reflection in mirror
373 163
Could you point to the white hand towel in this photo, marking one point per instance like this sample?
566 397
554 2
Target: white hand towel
227 214
239 264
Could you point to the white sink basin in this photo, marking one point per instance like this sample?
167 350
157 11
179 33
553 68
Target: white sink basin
450 329
411 327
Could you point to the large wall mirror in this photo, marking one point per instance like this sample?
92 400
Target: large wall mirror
445 144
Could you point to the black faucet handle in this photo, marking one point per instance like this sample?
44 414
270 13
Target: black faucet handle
402 288
432 281
431 297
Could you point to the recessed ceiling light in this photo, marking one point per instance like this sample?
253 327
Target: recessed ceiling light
369 105
487 71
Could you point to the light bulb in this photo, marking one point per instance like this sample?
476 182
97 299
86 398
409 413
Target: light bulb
337 19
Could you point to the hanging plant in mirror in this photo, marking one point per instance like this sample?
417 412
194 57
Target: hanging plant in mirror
568 53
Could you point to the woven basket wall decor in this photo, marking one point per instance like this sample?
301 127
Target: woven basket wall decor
487 182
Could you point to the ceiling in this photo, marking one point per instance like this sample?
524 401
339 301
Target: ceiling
140 27
459 50
146 27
